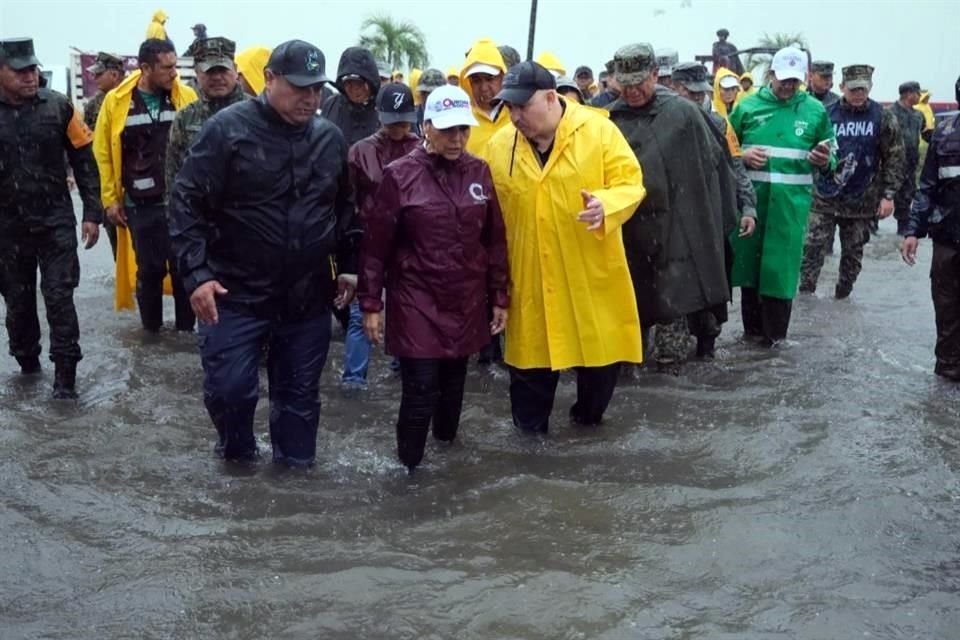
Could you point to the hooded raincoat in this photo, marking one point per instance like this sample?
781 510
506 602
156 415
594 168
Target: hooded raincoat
435 238
415 75
769 260
573 301
746 75
718 105
108 151
483 52
251 64
552 63
156 30
356 121
929 121
675 241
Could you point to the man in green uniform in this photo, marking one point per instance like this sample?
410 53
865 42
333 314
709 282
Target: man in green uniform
786 135
219 88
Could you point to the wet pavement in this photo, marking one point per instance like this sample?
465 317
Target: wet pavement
807 492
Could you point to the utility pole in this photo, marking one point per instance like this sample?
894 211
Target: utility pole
533 29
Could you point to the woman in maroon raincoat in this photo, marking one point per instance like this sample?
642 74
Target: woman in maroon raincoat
435 239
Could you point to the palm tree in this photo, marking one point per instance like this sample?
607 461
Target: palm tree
758 63
397 43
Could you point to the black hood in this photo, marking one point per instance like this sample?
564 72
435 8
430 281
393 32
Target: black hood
359 61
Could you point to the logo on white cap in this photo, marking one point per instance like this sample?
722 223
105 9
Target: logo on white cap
449 106
789 63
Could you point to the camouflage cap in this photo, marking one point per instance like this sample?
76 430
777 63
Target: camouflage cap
822 67
104 62
215 52
430 80
633 63
18 53
858 76
911 86
667 59
693 76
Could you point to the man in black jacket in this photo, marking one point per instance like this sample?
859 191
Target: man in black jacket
37 222
262 203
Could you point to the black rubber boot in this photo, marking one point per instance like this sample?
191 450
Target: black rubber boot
29 366
843 290
706 348
65 380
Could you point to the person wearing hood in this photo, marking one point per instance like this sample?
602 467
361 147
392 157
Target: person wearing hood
726 92
820 82
567 181
262 204
453 76
157 29
366 160
219 88
434 237
354 109
675 242
929 121
250 67
414 81
746 84
552 63
611 92
786 136
130 145
430 81
482 77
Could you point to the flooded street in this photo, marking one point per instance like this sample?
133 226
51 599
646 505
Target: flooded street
807 492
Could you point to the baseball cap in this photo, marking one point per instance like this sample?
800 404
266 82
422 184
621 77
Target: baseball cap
18 53
693 76
909 86
105 61
583 70
479 67
447 107
215 53
395 104
729 82
431 79
563 82
634 63
301 63
522 81
789 63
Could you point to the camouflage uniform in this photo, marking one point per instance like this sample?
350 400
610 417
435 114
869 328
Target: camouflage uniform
824 68
92 109
211 53
852 213
911 125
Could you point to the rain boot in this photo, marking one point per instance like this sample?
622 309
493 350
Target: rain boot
65 380
29 365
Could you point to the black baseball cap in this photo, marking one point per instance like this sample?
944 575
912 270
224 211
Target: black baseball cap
395 104
301 63
522 81
583 70
910 87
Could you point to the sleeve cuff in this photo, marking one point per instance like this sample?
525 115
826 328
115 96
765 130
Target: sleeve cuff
371 305
197 277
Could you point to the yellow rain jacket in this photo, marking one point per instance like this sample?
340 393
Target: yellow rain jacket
929 122
251 63
414 81
107 150
453 71
753 85
550 62
718 105
156 30
483 52
573 300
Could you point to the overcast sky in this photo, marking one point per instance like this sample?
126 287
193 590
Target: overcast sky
903 39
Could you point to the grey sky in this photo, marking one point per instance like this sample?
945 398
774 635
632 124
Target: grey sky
903 39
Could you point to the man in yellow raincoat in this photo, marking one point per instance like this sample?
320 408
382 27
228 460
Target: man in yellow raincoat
130 143
251 64
482 77
566 180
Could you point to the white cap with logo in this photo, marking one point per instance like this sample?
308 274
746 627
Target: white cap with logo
789 63
449 106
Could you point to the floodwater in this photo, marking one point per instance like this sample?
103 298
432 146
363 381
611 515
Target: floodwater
807 492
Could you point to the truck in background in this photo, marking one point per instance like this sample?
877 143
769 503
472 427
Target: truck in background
81 85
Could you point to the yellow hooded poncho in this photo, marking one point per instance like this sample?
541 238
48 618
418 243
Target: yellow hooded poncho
718 105
929 121
414 81
251 64
156 30
483 52
550 62
753 85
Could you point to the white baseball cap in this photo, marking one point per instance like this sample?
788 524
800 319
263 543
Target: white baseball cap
480 67
729 82
789 63
447 107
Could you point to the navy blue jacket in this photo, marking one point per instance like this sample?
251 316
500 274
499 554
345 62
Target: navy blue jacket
262 206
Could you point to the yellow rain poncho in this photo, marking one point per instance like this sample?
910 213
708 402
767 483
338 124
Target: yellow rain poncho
753 85
929 121
108 152
550 62
573 299
718 105
414 81
156 30
483 52
251 64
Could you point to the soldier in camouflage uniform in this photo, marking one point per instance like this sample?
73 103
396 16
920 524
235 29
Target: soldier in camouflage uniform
108 72
911 125
219 88
820 82
868 175
38 127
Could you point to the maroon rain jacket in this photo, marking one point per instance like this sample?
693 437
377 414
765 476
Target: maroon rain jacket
366 161
434 236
